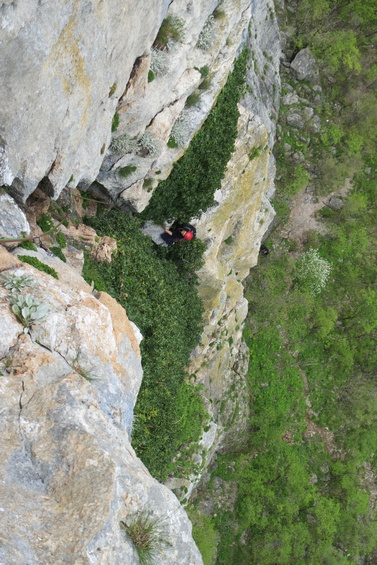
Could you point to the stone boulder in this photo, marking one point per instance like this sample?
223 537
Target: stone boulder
303 66
335 203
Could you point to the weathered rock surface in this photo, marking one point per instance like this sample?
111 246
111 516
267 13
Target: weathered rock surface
69 475
12 220
154 107
64 65
82 62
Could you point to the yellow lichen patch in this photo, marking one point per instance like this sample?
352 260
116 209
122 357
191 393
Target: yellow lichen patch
66 62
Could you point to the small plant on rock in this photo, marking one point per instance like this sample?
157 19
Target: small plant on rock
146 534
28 309
149 144
126 171
46 223
181 129
14 283
115 122
35 262
193 99
29 245
56 250
113 89
171 31
61 240
159 63
123 144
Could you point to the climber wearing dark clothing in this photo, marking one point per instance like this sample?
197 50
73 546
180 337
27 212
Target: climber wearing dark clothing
264 250
178 232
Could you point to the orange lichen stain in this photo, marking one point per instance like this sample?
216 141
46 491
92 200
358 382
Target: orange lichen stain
66 61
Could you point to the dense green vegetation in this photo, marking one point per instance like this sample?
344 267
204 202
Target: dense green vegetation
163 303
342 36
197 175
305 481
35 262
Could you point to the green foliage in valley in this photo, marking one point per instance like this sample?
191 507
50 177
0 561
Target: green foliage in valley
342 36
197 175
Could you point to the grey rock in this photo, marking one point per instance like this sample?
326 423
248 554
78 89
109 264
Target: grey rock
308 113
154 231
313 479
69 473
335 203
318 100
290 99
288 86
303 65
12 219
298 157
64 66
315 124
295 120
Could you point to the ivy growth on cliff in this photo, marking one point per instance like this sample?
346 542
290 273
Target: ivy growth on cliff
197 175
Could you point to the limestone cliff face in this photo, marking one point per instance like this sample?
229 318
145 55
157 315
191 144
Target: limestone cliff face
64 65
67 67
69 475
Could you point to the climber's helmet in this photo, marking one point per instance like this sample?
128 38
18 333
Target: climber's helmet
188 235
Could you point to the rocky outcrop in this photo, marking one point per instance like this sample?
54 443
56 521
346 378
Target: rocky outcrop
303 66
69 475
158 109
64 66
82 64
